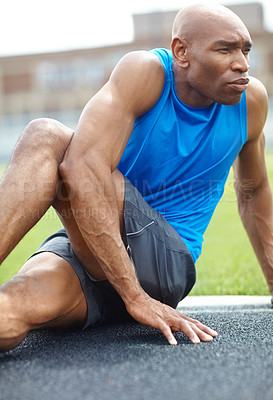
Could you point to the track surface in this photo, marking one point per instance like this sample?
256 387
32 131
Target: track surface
135 362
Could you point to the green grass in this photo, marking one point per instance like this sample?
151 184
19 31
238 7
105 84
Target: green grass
227 265
29 244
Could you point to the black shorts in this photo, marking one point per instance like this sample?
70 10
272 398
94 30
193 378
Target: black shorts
162 262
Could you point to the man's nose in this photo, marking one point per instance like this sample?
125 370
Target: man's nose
241 62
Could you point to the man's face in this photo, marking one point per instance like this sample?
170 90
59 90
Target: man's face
219 64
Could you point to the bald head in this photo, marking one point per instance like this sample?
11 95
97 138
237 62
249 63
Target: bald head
210 48
197 20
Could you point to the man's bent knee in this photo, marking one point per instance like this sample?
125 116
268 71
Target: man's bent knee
15 311
49 125
46 134
12 330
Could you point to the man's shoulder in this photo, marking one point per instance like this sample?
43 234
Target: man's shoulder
148 59
256 93
139 79
139 64
257 107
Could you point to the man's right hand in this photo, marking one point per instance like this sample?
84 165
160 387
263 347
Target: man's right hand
168 320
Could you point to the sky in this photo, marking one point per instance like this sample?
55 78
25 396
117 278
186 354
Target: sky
37 26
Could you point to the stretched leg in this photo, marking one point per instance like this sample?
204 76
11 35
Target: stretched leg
46 293
29 184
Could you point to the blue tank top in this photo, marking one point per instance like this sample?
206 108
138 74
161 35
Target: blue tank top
179 157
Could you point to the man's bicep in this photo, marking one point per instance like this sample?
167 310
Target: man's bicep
104 127
107 120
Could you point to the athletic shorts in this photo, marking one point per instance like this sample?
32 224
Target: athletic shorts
163 264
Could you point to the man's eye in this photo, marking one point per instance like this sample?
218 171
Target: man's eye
224 50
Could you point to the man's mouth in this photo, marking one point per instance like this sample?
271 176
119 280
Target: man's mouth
239 85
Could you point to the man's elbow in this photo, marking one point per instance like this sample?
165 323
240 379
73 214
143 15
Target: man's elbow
67 168
72 172
81 173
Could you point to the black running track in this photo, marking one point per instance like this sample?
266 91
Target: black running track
134 362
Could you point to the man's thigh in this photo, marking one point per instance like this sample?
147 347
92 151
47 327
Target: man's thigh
47 293
163 263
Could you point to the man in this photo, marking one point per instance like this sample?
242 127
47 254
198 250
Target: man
173 124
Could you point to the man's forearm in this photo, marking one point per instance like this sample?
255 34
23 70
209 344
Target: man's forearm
95 207
257 215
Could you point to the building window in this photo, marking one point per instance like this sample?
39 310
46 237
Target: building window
16 83
56 76
94 73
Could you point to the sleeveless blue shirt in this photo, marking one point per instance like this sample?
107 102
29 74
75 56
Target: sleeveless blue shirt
179 157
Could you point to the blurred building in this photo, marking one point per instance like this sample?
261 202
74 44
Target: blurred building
58 85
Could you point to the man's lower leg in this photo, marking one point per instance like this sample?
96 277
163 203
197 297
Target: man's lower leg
29 184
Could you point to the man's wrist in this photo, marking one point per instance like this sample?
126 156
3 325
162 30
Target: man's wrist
135 297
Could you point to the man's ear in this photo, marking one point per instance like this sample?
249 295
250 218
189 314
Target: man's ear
180 52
